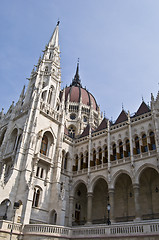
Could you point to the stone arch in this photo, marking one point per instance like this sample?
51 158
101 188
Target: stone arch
124 198
117 174
47 143
141 169
4 207
53 217
80 203
149 193
100 200
75 185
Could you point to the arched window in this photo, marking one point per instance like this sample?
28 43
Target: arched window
152 145
44 144
121 150
94 157
81 161
37 171
100 155
46 69
105 154
2 137
53 217
114 152
137 145
86 160
50 95
144 143
71 131
36 197
127 148
77 212
42 172
76 164
65 162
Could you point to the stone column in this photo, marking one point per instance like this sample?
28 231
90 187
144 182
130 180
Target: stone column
137 204
89 208
111 201
71 199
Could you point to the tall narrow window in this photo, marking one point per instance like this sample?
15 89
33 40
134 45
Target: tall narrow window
76 166
44 144
94 157
42 172
100 155
106 154
65 162
152 141
144 143
87 160
114 152
121 150
127 148
50 95
36 197
81 161
37 171
137 145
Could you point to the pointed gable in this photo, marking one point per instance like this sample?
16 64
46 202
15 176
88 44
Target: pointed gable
103 125
142 109
85 132
122 117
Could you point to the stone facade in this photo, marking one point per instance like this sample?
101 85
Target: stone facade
62 163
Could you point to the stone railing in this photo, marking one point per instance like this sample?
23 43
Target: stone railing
7 226
122 230
47 109
117 230
49 230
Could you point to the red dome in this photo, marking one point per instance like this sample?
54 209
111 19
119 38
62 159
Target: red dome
76 92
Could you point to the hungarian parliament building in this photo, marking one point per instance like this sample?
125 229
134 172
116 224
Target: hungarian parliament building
67 172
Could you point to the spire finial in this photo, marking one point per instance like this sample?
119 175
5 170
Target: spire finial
122 106
142 98
58 22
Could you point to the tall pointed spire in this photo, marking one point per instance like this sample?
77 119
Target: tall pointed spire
76 80
54 40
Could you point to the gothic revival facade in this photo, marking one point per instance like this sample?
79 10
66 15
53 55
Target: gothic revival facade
62 163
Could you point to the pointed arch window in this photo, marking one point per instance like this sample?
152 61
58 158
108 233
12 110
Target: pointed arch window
65 162
144 143
86 160
105 154
121 150
44 145
152 145
137 145
94 157
81 161
114 152
127 148
76 165
50 95
36 197
100 156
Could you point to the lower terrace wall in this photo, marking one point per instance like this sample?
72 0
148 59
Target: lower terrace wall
144 230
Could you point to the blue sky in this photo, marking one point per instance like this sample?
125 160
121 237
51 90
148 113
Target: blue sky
117 43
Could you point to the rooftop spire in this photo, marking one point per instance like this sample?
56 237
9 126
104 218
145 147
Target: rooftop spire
76 80
54 40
